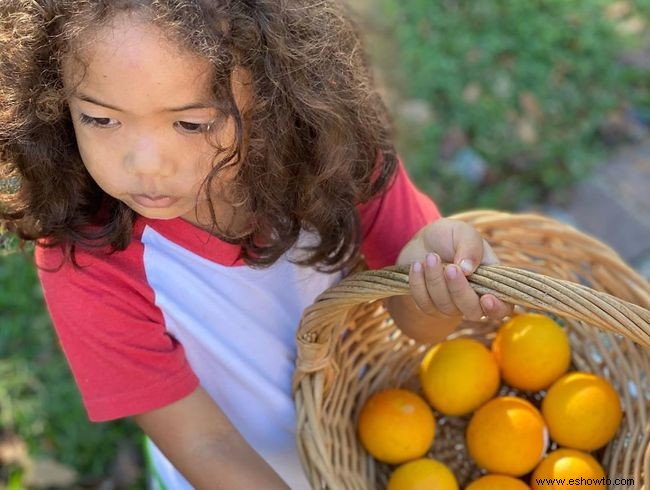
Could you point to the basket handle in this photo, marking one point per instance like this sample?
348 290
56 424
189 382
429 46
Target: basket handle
510 284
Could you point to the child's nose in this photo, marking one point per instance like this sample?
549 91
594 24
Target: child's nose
148 157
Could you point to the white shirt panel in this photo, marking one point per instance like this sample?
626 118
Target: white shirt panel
237 326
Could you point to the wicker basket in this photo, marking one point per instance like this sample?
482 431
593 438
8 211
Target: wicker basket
349 347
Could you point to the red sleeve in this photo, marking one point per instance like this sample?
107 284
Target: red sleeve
389 220
112 334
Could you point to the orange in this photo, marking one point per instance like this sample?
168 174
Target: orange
567 464
497 482
582 411
507 435
532 351
396 425
422 474
458 376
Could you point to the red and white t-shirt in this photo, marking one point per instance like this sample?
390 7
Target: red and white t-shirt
141 328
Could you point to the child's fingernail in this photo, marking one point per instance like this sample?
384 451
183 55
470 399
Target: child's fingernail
451 271
489 303
432 260
466 265
417 267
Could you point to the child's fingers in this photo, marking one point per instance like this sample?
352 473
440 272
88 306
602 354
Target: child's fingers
494 308
437 286
462 294
469 247
419 289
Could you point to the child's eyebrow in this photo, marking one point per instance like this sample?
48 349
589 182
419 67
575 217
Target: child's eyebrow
187 107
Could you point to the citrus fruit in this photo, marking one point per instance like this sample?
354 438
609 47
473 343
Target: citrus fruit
582 411
507 435
532 351
458 376
497 482
422 474
396 425
567 464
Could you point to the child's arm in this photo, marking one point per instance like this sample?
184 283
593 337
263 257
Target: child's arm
199 440
438 302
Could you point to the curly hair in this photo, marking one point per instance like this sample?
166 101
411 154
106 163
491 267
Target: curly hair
318 138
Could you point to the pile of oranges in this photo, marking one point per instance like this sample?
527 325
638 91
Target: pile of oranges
507 436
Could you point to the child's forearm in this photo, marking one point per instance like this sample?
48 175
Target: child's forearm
416 324
199 440
230 465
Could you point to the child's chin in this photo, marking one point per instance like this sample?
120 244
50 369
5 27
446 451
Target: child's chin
157 214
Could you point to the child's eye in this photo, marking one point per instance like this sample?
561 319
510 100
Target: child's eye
100 122
193 128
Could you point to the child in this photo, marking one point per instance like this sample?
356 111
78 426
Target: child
196 172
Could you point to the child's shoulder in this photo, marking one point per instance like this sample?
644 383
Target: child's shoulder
87 260
95 281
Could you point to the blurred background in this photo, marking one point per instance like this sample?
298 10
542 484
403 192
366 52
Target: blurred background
521 105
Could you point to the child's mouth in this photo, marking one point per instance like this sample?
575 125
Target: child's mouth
153 201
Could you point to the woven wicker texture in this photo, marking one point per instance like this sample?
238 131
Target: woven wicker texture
349 347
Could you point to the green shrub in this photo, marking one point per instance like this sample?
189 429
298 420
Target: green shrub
526 83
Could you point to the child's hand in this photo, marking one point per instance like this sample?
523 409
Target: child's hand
444 291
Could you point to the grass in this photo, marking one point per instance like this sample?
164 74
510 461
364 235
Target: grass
517 92
39 401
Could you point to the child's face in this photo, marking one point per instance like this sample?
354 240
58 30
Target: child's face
139 114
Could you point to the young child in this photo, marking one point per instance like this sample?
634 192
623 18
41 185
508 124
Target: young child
196 172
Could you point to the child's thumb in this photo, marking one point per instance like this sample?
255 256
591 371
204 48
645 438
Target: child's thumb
468 257
489 257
